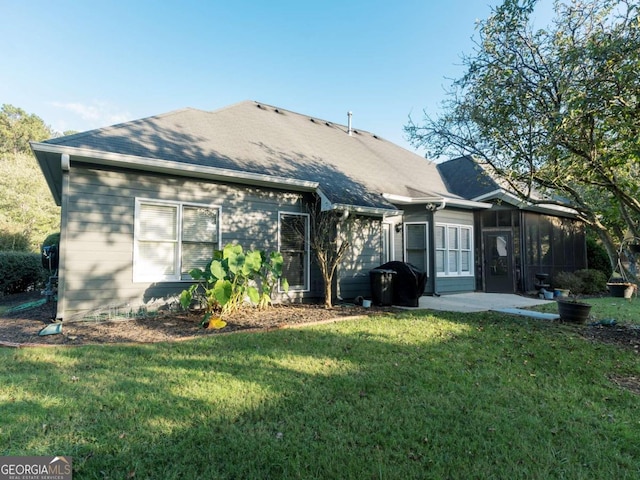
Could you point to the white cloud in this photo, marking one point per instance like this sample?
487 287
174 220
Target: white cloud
92 115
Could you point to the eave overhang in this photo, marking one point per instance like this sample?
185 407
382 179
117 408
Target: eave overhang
50 158
437 201
546 208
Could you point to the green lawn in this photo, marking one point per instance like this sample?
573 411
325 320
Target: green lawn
415 396
623 311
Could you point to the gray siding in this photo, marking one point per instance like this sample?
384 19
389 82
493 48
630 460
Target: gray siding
98 240
364 254
455 284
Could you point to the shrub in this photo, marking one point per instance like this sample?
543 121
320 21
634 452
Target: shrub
53 239
20 272
597 258
594 281
569 281
13 241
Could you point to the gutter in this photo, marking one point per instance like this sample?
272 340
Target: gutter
516 201
441 200
97 157
176 168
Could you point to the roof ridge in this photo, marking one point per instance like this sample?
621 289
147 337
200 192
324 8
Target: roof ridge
311 117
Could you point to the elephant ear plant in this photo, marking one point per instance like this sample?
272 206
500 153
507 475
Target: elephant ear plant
232 279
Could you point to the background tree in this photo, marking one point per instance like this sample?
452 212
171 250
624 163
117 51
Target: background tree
555 110
27 211
18 128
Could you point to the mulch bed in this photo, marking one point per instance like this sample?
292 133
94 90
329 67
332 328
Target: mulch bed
21 328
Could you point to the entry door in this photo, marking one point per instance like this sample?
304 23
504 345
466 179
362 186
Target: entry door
498 262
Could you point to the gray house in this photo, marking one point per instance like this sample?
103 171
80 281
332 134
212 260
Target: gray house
145 201
515 240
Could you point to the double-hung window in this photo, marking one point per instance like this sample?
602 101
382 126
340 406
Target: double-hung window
293 244
172 238
453 249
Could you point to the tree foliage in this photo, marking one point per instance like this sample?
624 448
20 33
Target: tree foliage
27 211
18 128
553 110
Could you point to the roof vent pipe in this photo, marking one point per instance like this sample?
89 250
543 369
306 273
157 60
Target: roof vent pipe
349 115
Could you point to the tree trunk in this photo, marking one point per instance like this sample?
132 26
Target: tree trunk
328 293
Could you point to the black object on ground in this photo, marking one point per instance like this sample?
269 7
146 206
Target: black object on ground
407 283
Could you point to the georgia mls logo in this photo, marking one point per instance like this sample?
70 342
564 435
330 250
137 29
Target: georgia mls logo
36 468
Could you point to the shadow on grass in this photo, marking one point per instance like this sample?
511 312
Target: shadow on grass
447 395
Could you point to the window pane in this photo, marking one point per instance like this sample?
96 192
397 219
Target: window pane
195 255
293 269
199 224
158 222
156 258
453 238
440 242
453 262
465 262
416 237
465 238
293 234
440 261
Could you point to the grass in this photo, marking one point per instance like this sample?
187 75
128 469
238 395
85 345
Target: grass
624 311
414 396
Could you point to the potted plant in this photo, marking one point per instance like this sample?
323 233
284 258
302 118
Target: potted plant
570 309
620 287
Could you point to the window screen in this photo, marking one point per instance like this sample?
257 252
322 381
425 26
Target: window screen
294 232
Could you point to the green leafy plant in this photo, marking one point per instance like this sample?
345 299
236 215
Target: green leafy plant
233 276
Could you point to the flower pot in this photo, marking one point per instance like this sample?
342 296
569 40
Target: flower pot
573 311
621 290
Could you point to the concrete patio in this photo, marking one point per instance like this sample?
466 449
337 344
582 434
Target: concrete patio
483 302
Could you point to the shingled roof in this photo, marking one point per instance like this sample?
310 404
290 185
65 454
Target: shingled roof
259 139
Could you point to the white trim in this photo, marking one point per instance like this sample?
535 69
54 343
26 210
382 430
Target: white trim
449 201
427 252
176 168
307 253
386 235
140 277
511 199
372 211
459 273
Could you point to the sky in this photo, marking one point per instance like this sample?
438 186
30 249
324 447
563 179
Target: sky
86 64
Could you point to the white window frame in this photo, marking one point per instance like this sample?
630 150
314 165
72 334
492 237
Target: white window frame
307 252
427 253
447 250
139 275
386 243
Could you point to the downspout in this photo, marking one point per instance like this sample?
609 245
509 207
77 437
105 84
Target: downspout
65 166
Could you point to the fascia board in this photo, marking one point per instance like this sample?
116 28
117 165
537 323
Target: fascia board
450 202
176 168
